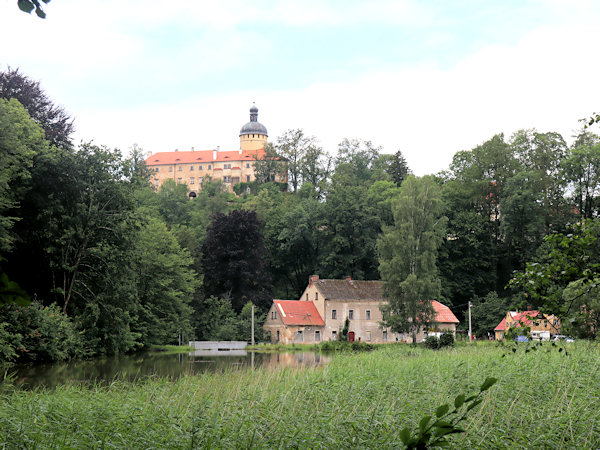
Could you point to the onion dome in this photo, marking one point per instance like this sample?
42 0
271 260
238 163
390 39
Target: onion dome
254 126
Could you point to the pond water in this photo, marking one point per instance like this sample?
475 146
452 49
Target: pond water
154 364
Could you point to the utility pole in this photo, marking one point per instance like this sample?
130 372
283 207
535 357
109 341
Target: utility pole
470 332
252 339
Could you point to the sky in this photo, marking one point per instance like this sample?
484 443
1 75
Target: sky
428 77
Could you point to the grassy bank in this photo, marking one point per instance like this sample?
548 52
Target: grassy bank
171 349
542 399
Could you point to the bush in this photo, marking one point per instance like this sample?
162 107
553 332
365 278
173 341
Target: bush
446 340
432 342
38 333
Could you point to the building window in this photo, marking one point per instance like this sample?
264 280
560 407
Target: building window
170 168
199 180
247 165
351 314
307 296
334 335
317 336
179 181
368 338
191 180
156 170
209 167
156 182
300 336
227 179
368 314
226 166
180 168
334 314
247 178
278 336
199 167
384 335
191 167
316 296
273 315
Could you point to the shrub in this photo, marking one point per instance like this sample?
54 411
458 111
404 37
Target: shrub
432 342
38 333
446 340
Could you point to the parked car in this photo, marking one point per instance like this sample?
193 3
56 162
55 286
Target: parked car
521 339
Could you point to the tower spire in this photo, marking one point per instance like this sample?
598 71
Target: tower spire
254 113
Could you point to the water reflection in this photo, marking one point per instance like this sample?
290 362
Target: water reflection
132 367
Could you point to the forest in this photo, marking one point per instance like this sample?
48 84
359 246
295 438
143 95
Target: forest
94 261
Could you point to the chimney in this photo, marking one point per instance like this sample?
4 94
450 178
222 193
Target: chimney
313 279
348 278
215 154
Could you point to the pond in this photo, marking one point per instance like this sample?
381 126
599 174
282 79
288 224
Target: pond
154 364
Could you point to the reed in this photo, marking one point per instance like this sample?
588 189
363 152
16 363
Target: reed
360 400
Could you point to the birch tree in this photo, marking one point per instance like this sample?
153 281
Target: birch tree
407 256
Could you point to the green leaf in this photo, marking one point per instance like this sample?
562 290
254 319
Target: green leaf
442 410
41 14
488 383
25 5
405 436
424 422
459 401
443 424
474 404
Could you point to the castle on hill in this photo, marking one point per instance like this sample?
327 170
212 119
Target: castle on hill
232 167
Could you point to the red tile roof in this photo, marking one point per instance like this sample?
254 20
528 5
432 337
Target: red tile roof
296 312
520 318
443 313
501 326
204 156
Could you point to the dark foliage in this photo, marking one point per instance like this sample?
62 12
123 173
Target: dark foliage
57 124
234 260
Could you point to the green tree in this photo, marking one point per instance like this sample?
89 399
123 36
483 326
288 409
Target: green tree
165 285
407 256
269 166
581 170
292 146
487 312
21 139
57 124
398 168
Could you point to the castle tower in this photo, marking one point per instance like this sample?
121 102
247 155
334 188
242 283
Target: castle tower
253 135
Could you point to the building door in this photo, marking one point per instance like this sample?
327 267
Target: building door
277 336
351 336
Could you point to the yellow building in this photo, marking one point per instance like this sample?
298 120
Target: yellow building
541 326
193 166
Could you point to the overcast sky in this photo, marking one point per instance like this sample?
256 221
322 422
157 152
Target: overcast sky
427 77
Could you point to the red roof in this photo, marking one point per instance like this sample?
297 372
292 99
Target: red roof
297 312
201 156
443 313
520 318
501 326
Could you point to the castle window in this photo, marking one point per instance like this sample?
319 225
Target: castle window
170 168
384 335
247 178
191 167
351 314
199 167
209 167
317 336
199 180
156 170
247 166
191 180
368 314
180 168
334 314
226 166
227 179
368 336
179 180
334 335
316 296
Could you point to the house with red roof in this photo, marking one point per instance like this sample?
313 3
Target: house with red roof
192 167
321 312
540 325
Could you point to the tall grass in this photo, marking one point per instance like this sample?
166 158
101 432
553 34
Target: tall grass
542 399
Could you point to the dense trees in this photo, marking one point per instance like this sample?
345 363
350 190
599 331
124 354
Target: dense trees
84 236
